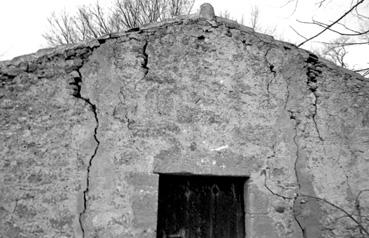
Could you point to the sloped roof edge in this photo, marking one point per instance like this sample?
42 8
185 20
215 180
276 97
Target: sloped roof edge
185 19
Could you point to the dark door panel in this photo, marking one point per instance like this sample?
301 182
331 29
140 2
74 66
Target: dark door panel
201 207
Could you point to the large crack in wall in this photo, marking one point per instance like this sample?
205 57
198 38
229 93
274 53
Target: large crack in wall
62 62
75 81
90 161
272 70
85 192
293 117
145 58
295 199
313 71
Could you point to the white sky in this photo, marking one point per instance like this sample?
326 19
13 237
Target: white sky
22 22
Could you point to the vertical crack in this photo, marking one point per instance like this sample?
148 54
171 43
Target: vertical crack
270 65
287 98
293 117
313 71
145 58
86 191
314 116
272 70
75 80
144 65
299 224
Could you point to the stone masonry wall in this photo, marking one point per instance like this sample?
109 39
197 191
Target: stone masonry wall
86 129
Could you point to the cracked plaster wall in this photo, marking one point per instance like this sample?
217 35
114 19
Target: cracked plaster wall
86 129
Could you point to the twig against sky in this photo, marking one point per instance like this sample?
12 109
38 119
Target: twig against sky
295 7
298 33
333 23
324 25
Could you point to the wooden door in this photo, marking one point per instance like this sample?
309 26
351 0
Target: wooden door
201 207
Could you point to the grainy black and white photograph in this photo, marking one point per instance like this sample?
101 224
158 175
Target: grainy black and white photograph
184 119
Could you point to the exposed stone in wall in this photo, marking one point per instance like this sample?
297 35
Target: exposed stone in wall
87 128
47 141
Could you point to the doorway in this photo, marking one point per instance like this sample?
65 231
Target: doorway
201 207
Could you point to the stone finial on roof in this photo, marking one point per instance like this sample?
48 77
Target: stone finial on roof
207 11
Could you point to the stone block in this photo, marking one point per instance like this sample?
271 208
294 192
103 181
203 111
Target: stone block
144 208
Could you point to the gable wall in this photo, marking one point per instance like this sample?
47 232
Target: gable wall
88 129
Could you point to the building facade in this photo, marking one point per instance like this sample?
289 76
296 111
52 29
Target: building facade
193 127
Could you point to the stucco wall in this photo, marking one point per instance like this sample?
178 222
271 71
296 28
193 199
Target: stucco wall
86 129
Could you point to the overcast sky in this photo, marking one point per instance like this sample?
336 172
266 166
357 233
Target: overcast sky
22 22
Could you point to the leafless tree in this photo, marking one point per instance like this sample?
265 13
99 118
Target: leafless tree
353 33
336 51
227 14
254 18
90 22
253 21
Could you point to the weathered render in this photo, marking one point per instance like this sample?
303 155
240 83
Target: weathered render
85 131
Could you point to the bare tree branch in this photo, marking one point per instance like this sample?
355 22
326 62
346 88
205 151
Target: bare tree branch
346 44
321 3
326 26
332 24
298 33
360 15
90 22
295 6
361 70
254 18
348 28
